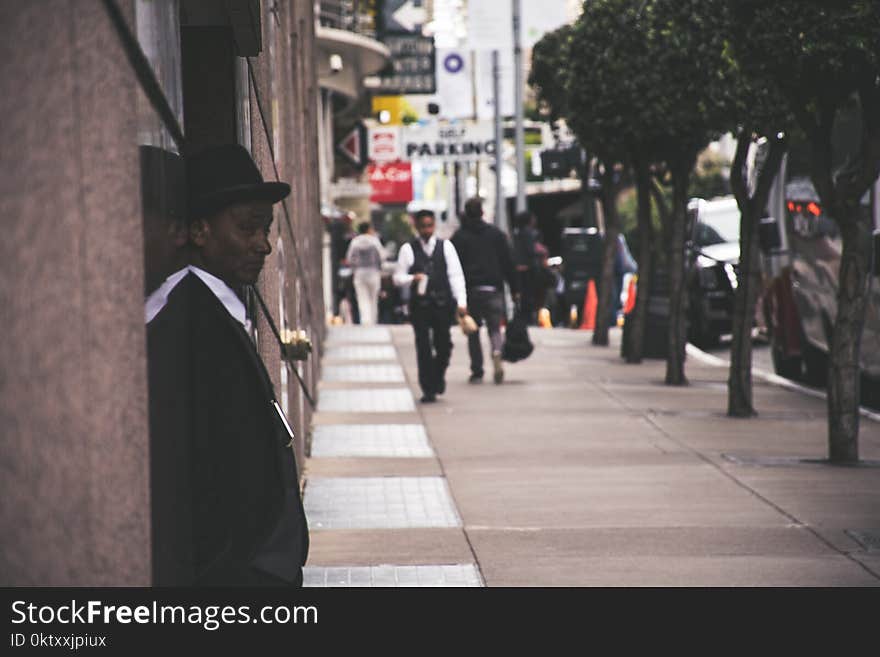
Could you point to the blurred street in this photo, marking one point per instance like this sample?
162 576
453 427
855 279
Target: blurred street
578 471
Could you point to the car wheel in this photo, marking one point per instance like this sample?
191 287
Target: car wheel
699 333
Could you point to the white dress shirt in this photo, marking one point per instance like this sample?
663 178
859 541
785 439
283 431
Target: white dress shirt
159 297
225 294
406 258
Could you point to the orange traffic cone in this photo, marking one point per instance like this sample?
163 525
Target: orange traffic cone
630 296
544 318
588 322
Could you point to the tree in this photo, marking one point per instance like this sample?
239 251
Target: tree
751 206
762 117
599 108
820 56
696 77
649 81
553 76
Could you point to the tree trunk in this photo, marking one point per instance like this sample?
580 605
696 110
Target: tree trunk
665 222
612 230
840 196
675 259
589 216
739 383
636 335
852 302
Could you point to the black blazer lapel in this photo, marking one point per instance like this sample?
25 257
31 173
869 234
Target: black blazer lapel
244 341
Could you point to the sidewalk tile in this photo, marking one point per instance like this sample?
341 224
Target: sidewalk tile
455 575
361 352
368 334
379 502
363 373
371 440
374 400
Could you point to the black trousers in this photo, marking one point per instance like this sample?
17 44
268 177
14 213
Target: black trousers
433 346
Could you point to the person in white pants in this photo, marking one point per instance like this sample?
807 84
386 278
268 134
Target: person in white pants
365 256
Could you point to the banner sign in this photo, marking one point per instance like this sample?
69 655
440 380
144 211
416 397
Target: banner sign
455 82
459 142
391 183
383 144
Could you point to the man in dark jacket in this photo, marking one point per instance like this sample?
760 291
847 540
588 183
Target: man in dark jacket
525 240
248 523
487 261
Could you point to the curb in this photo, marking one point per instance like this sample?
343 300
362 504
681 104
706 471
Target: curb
772 378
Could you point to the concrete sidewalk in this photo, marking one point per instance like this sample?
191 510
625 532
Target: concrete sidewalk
579 471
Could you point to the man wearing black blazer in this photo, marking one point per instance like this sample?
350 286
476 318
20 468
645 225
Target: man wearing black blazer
248 523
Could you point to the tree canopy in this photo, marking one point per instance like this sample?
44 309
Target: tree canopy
649 76
548 75
818 55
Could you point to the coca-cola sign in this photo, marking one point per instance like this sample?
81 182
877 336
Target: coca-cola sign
391 183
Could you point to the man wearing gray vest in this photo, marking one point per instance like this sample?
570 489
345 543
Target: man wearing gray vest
431 267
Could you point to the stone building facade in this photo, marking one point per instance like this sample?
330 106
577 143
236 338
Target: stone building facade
76 105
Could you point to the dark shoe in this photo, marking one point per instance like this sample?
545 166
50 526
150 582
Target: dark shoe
427 399
476 378
441 386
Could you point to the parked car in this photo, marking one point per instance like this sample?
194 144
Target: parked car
712 268
800 303
581 261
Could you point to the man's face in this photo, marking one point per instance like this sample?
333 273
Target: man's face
425 227
234 243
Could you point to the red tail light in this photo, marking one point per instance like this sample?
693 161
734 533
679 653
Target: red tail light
814 209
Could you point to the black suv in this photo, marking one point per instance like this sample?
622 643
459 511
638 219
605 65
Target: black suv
713 266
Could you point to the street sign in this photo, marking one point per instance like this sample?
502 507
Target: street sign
402 16
455 83
354 146
459 142
411 70
391 183
383 144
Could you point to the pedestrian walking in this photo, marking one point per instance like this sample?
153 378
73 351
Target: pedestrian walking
525 250
365 256
431 269
247 518
487 261
624 264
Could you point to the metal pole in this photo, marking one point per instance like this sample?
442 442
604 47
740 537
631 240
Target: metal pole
518 110
500 209
875 198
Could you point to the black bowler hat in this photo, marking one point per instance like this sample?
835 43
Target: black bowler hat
221 176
